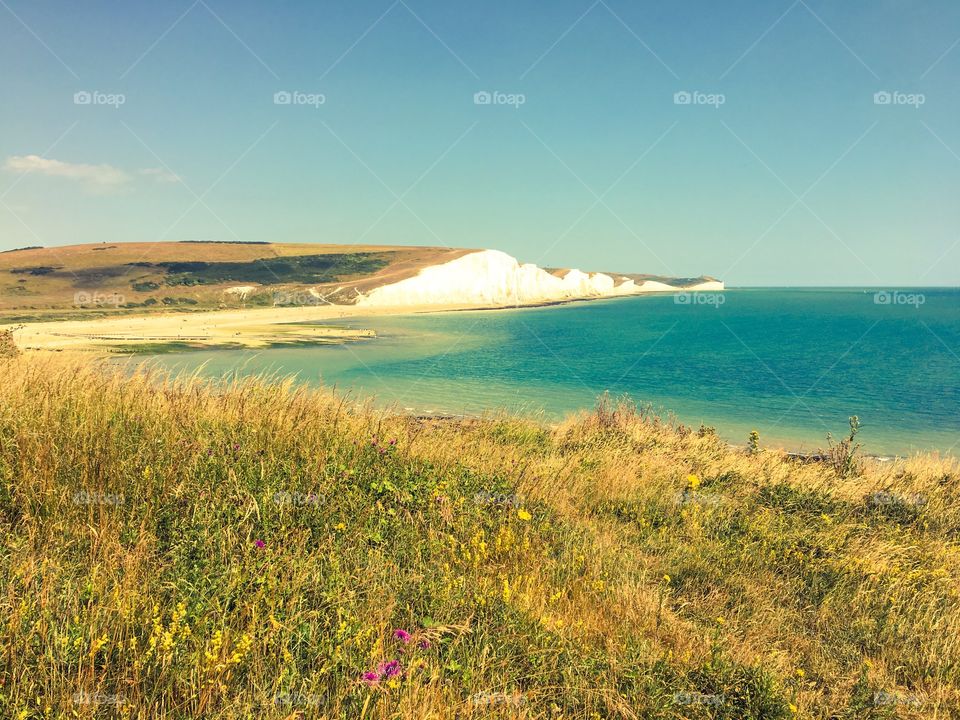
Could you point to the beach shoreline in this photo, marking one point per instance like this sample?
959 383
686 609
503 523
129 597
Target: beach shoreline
248 328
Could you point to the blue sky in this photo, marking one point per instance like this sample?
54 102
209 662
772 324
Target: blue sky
783 168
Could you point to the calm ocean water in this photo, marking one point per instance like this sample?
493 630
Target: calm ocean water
793 364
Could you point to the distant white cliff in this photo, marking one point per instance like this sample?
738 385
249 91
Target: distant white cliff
493 278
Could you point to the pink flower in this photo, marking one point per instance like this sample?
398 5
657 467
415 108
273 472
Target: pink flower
259 543
371 678
389 669
402 635
424 644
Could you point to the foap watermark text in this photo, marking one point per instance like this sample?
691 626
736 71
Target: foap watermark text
896 297
699 298
295 97
484 97
95 97
697 698
95 297
894 97
85 497
696 97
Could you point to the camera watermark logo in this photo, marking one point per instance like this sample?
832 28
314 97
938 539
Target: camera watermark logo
487 699
295 97
86 698
884 698
297 298
699 298
95 97
499 500
85 497
895 97
692 497
886 499
295 498
895 297
695 97
483 97
97 298
697 698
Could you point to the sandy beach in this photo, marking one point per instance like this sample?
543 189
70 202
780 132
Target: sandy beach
248 328
253 328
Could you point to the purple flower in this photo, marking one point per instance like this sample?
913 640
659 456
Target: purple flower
371 678
389 669
402 635
424 644
259 543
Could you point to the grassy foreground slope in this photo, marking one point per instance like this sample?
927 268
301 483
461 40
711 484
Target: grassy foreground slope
176 550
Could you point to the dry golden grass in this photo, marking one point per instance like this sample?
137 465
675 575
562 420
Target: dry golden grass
176 548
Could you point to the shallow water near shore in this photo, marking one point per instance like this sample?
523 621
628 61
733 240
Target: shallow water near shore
793 364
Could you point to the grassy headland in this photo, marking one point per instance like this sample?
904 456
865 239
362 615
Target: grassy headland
180 549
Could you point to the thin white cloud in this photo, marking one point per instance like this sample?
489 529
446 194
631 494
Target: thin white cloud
100 176
161 175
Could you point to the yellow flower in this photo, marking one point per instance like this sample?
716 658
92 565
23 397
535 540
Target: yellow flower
794 709
800 673
720 621
693 482
523 514
666 579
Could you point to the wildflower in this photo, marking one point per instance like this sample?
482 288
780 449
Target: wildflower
393 442
259 543
402 635
389 669
666 579
523 515
693 482
371 678
424 644
800 673
794 709
720 621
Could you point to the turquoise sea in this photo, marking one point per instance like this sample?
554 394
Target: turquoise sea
793 364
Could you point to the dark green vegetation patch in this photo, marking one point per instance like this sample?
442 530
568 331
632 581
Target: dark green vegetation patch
306 269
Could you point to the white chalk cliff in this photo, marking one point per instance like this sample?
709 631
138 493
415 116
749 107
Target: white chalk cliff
493 278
